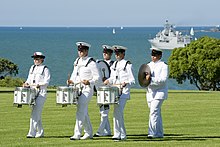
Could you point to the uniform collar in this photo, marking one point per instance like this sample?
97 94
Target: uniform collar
84 58
157 61
107 60
40 64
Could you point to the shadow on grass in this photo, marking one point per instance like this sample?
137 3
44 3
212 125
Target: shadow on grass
190 92
170 137
57 137
143 137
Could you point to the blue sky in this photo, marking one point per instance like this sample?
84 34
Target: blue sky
109 12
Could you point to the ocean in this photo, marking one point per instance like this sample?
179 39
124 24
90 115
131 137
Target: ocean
58 45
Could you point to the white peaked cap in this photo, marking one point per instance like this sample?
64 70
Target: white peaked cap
38 54
83 44
119 47
155 48
107 47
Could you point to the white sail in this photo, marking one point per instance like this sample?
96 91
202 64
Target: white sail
113 31
192 32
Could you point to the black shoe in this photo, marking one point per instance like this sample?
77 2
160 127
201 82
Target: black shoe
96 135
116 139
30 137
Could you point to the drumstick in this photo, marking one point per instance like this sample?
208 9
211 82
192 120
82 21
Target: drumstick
68 80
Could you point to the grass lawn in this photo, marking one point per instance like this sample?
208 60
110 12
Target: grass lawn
190 118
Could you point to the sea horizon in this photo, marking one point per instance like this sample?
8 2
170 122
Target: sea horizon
58 44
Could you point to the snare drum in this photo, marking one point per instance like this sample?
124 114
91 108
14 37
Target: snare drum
67 95
24 96
107 95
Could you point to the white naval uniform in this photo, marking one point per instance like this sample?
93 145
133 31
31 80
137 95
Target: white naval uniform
120 75
38 75
157 92
83 72
104 127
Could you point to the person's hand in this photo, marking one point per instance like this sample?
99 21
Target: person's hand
68 82
26 85
38 86
147 76
86 82
103 79
123 84
106 82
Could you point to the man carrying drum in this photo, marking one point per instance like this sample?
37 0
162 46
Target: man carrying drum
104 127
85 75
39 77
121 76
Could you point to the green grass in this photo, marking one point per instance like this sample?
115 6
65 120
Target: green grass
190 118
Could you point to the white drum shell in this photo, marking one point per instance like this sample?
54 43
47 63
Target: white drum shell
66 95
107 95
23 96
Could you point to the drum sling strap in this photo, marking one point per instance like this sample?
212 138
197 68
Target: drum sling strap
33 101
111 63
90 60
77 61
42 70
128 62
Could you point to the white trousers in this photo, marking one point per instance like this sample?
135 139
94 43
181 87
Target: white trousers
155 128
118 119
36 127
104 127
82 116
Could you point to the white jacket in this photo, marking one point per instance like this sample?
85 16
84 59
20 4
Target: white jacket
82 71
39 75
158 88
120 73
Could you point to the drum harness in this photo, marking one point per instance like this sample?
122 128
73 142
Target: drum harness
77 74
117 78
33 101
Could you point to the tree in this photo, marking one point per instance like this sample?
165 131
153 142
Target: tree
7 68
199 62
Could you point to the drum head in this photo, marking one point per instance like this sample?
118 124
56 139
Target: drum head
142 75
104 68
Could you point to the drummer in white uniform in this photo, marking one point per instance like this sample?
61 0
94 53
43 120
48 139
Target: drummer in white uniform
157 92
104 127
39 77
85 75
121 75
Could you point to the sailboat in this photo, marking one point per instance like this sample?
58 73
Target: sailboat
191 32
113 31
